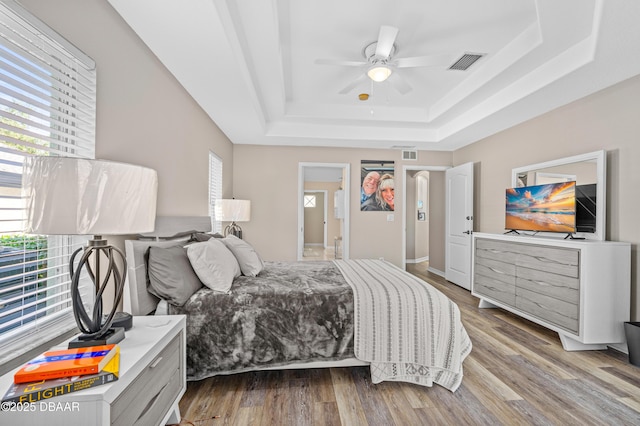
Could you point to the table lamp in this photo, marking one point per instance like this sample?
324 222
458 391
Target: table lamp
77 196
232 211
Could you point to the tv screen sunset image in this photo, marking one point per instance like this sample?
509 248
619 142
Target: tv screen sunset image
548 208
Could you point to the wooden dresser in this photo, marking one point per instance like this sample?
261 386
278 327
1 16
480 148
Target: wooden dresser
578 288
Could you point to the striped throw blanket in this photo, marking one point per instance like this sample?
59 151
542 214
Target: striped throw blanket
407 329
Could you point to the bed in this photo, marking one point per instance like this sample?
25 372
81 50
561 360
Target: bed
303 315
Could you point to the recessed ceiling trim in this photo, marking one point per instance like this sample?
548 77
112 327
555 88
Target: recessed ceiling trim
514 82
310 130
518 48
570 60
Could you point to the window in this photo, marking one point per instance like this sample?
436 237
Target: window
47 107
215 187
309 201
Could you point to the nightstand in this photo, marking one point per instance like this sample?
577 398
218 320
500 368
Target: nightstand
152 381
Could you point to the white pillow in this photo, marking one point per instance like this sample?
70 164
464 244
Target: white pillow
250 262
214 264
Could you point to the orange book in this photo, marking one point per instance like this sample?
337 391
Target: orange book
66 362
45 389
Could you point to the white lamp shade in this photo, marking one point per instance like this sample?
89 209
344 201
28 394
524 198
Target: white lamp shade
379 73
76 196
232 210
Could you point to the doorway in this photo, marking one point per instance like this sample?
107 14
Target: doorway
424 219
418 218
326 187
316 221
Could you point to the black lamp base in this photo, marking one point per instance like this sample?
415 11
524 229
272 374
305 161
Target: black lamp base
114 335
120 319
233 229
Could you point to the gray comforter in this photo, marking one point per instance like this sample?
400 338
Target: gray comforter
292 312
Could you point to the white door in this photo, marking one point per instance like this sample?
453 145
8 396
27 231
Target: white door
459 224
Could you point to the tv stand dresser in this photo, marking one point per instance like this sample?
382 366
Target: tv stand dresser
579 288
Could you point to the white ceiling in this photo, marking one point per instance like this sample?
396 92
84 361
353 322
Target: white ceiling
251 64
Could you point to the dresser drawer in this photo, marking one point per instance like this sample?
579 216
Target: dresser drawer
494 279
549 284
493 289
495 269
551 259
145 401
549 309
495 250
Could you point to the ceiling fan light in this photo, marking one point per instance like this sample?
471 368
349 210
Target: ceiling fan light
379 73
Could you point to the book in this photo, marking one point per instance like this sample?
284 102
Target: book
45 389
65 363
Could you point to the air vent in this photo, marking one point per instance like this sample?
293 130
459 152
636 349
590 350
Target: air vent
465 61
409 154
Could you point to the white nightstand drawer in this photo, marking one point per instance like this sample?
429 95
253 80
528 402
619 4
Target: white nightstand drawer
145 400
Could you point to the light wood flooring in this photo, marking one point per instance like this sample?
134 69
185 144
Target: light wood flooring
315 252
516 374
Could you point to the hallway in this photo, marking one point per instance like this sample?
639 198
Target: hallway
316 252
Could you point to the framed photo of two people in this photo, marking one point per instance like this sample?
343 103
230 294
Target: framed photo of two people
377 186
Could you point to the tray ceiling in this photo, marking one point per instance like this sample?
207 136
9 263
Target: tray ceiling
251 65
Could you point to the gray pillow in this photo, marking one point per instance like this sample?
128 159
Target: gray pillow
214 264
171 276
202 236
250 262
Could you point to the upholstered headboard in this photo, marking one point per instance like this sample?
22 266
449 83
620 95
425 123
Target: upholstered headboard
168 227
137 300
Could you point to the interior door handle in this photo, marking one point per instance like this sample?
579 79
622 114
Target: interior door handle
468 232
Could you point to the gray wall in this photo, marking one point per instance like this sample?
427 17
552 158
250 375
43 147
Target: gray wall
144 116
273 231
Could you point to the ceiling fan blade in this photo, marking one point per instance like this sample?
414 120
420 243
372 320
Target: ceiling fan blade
386 38
340 62
399 83
426 61
353 84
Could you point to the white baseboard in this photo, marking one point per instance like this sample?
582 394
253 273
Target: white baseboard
435 271
419 260
620 347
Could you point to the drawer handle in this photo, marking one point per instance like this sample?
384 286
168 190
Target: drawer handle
497 271
156 362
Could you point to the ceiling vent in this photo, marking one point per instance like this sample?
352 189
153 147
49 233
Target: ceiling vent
409 154
465 61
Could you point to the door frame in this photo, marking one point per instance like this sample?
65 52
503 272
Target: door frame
346 186
406 169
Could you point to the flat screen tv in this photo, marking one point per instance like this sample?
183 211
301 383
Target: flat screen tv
544 208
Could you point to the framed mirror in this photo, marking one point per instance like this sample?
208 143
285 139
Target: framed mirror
589 173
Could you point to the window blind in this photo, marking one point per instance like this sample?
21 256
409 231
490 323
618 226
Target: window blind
215 188
47 107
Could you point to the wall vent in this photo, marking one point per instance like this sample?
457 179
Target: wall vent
466 61
409 154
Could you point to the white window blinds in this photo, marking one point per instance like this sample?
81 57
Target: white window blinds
215 188
47 107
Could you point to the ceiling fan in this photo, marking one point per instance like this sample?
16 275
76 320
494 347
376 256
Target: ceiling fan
381 64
